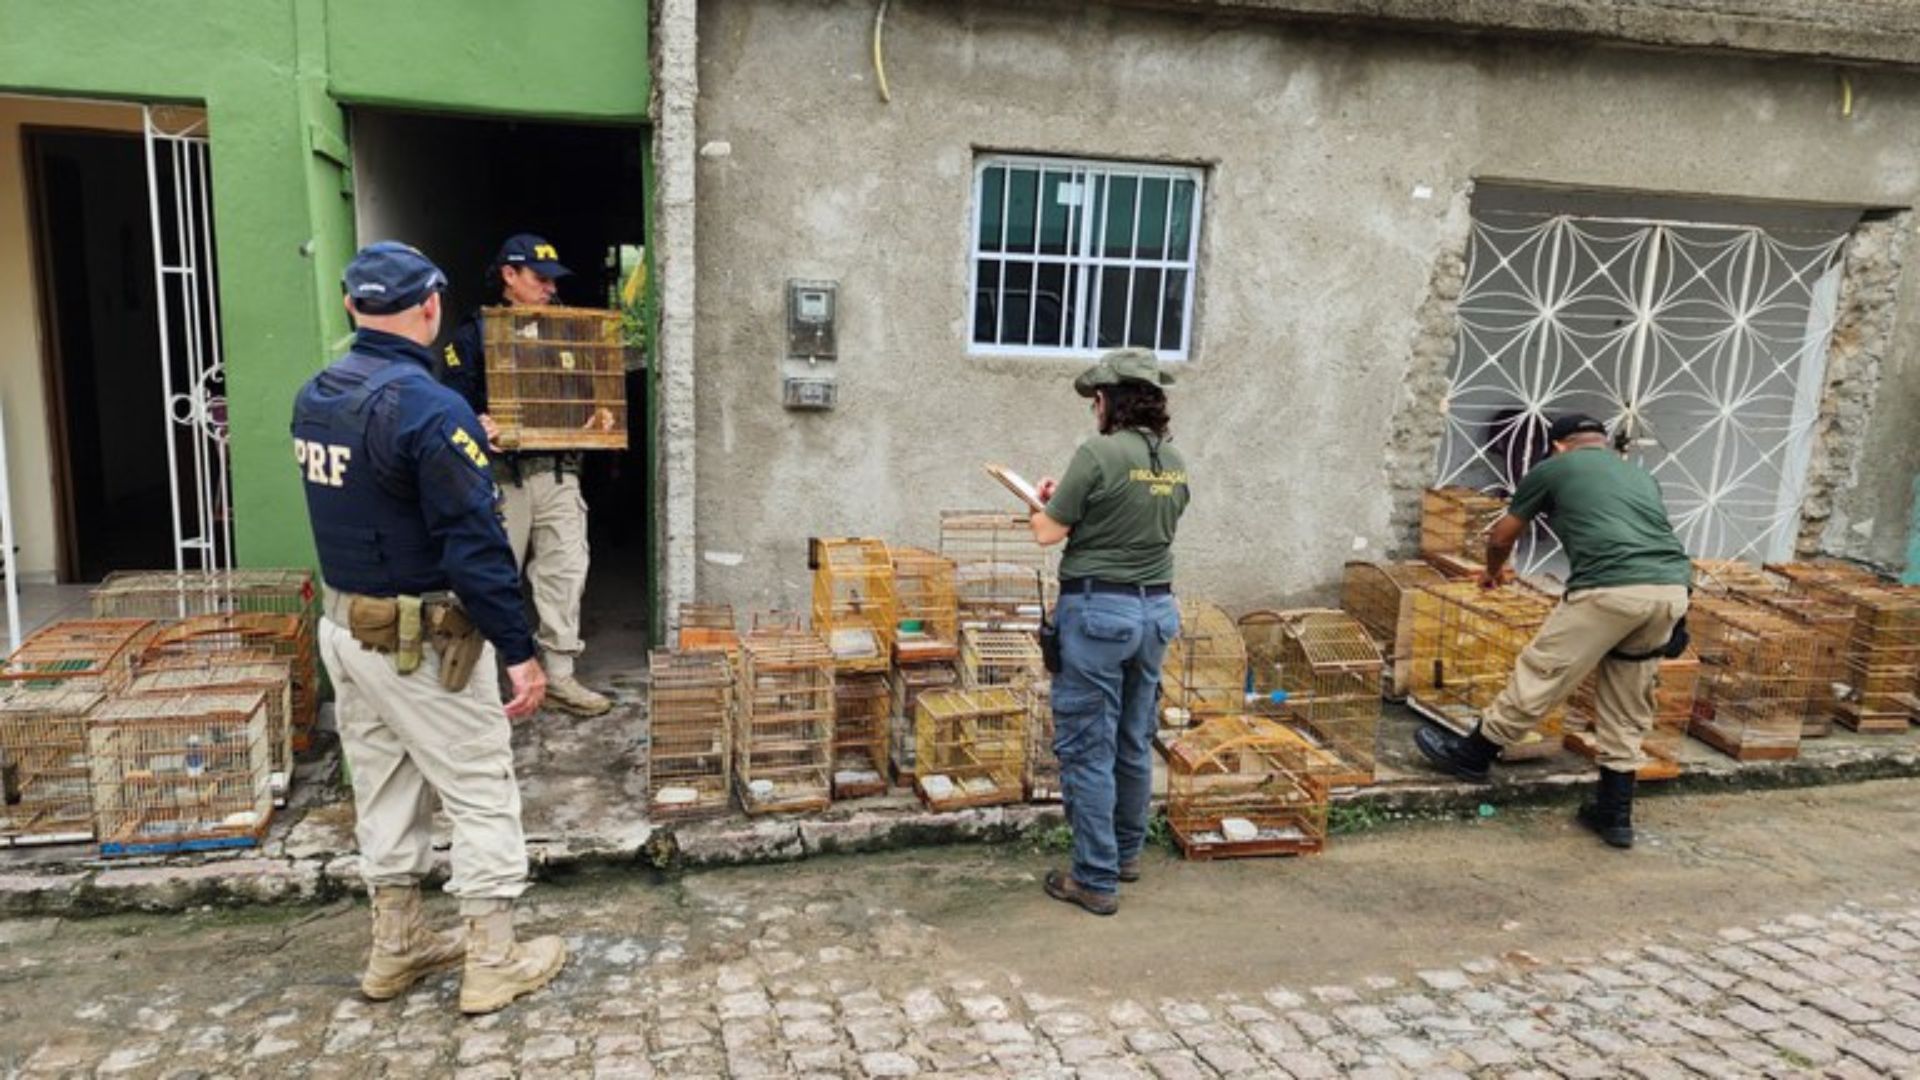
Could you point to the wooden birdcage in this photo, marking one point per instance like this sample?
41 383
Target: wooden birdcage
244 672
1042 775
1009 658
1244 786
709 628
98 654
783 735
908 682
1811 573
929 608
45 786
971 747
1454 522
1673 693
853 601
1329 668
1833 622
1760 671
1736 577
689 734
1002 577
556 378
190 772
862 712
1380 595
1881 654
1204 671
1465 642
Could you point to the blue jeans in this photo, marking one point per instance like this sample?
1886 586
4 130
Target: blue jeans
1105 704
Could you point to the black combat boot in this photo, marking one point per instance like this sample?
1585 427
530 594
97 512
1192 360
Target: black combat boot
1465 756
1611 812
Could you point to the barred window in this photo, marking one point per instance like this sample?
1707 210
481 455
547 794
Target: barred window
1071 258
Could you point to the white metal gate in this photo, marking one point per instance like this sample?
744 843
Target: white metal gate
191 367
1706 344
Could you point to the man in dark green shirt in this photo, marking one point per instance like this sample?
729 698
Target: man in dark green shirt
1626 590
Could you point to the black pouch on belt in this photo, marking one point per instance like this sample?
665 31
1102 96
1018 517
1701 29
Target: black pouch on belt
456 641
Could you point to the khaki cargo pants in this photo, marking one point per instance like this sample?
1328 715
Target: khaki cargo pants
1576 639
547 526
406 740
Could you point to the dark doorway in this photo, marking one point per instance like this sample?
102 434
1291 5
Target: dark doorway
94 250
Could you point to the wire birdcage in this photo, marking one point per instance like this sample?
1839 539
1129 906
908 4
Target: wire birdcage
1466 641
971 747
689 734
1881 654
1204 671
862 711
709 628
1759 673
907 682
1009 658
556 378
1736 577
1042 775
853 601
45 785
929 609
284 635
189 772
1329 667
1454 522
1002 577
783 738
238 672
1244 786
1380 595
96 653
1809 573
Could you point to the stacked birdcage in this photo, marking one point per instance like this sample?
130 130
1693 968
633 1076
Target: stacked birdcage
1454 523
95 653
783 735
190 772
1329 668
1832 621
853 602
556 378
245 672
1736 577
709 628
1204 671
1380 595
1881 656
1817 573
1011 658
45 790
689 733
1466 640
928 607
1760 671
862 710
972 747
1674 687
1002 577
1244 786
908 682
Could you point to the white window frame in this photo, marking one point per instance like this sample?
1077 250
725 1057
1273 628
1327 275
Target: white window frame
1086 299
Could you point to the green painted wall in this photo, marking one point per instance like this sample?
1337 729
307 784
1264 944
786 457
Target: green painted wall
272 75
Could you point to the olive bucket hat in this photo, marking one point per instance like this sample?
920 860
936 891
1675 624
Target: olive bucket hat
1122 365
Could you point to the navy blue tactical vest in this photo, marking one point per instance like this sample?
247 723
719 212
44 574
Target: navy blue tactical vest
372 537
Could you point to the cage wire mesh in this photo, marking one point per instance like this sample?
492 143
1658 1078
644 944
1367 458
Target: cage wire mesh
1330 669
96 654
1454 522
971 747
709 628
1759 671
689 734
1465 642
181 773
783 739
1204 671
242 672
1244 786
1002 578
862 709
928 606
908 682
556 377
44 777
854 610
1380 595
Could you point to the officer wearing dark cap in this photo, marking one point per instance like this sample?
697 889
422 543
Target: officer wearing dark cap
1626 592
545 514
420 592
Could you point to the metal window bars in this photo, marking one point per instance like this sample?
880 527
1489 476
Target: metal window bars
556 377
971 747
690 718
1245 786
783 735
189 772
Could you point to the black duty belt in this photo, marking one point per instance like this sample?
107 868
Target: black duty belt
1095 585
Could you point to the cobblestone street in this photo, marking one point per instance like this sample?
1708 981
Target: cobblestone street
1726 945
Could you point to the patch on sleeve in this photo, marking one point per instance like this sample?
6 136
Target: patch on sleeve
469 446
452 355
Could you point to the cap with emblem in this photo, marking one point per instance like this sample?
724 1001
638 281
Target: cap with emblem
1122 365
1567 426
390 277
532 252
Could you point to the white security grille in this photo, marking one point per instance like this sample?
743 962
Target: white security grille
1705 344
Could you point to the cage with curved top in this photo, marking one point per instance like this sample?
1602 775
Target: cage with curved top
1244 786
1673 692
854 610
971 747
1002 577
928 607
186 772
1466 640
556 378
1204 671
907 682
1454 522
1329 668
1758 673
862 711
689 734
283 635
48 794
1380 595
98 654
783 733
708 628
244 672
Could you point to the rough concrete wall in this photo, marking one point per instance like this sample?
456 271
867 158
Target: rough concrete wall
1336 162
676 68
1862 341
1420 413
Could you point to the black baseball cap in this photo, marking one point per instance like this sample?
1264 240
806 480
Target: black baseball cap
389 277
1567 426
533 252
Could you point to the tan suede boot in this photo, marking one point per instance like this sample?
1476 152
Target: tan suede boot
404 950
572 695
498 968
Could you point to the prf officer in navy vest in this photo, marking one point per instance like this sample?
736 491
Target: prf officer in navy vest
421 592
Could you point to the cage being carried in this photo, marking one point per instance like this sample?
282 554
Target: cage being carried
862 712
1002 577
928 607
783 733
96 654
1329 668
190 772
689 734
1466 640
45 783
972 747
1454 522
1380 595
853 601
239 672
556 378
907 682
1244 786
1204 671
1759 674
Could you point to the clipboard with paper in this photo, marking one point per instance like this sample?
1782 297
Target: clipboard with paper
1017 484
